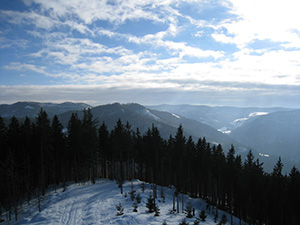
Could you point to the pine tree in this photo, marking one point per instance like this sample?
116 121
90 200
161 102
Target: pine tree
27 148
277 170
89 135
44 134
294 195
132 193
104 153
151 204
135 206
75 142
58 150
156 210
202 215
183 222
138 198
120 209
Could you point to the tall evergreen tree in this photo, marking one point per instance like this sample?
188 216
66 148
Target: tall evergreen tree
294 196
27 155
104 153
75 142
59 150
3 158
45 146
89 135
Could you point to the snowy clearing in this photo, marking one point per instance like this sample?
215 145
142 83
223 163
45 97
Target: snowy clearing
96 204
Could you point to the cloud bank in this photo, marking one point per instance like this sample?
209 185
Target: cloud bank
151 52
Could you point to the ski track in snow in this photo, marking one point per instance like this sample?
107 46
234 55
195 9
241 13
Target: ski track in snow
96 204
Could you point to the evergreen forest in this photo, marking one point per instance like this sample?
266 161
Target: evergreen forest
36 154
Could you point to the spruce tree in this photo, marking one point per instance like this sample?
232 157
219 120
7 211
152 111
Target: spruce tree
104 155
45 146
58 150
135 206
138 198
120 209
183 222
151 204
202 215
156 210
89 135
277 170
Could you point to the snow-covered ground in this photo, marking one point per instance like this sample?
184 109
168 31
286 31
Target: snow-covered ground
239 122
96 204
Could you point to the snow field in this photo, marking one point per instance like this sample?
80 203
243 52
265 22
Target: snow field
96 204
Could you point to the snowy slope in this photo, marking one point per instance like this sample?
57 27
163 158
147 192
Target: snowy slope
240 122
96 204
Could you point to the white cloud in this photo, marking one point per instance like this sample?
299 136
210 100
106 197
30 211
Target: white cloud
69 51
42 21
25 67
32 17
7 43
115 12
256 19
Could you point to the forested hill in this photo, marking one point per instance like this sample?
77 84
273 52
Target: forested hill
35 154
225 119
141 117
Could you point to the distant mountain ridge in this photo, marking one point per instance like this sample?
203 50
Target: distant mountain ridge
272 132
31 109
277 133
216 116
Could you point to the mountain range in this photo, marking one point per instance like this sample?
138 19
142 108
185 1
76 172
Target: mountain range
269 132
31 109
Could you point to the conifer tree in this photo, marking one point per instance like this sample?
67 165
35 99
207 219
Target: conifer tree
58 150
151 205
89 134
75 142
104 154
28 155
202 215
135 206
277 171
183 222
138 198
120 209
45 146
156 210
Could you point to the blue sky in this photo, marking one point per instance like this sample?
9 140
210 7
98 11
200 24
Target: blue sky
238 53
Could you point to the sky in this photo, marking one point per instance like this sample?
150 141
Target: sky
209 52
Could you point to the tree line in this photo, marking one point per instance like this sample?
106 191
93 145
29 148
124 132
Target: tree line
36 154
